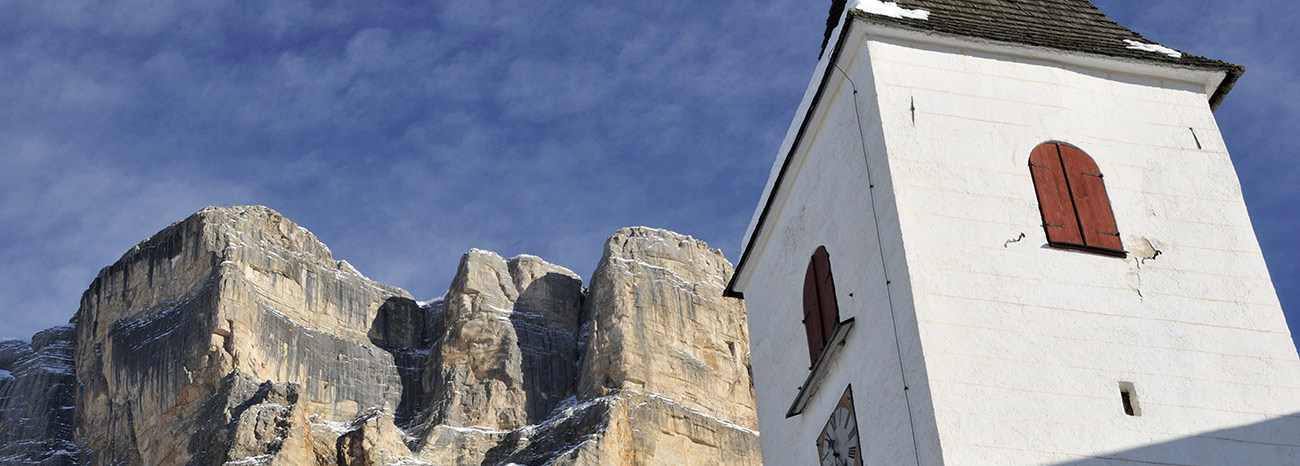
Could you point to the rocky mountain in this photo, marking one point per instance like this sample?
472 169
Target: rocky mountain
233 337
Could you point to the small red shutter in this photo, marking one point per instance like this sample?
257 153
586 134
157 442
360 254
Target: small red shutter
1090 200
812 315
826 293
1059 220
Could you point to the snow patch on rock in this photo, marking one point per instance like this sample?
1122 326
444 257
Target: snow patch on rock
252 460
430 303
561 268
696 412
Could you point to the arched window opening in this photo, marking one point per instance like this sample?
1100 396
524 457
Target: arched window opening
1072 198
820 310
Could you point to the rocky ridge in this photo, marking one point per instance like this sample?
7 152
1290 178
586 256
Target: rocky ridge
37 391
234 337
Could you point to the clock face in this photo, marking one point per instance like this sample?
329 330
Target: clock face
838 444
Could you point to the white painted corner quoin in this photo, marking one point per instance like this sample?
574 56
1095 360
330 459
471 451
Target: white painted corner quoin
976 338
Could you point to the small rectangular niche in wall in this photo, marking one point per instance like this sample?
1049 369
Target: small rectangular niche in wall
1128 397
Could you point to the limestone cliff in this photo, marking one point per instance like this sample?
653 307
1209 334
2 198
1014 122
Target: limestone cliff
37 388
234 337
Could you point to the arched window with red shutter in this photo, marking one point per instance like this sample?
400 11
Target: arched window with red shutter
820 310
1072 198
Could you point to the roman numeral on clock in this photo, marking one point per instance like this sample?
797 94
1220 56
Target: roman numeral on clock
838 444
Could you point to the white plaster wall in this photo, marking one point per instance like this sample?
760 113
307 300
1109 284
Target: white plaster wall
1025 345
827 201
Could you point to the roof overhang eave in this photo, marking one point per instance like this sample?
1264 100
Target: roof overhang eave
826 64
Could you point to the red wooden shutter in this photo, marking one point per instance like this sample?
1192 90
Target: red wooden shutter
1059 219
826 293
812 321
1090 201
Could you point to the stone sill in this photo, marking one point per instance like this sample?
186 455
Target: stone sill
818 369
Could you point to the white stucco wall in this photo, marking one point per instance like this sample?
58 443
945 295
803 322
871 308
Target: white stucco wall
1014 351
827 202
1025 345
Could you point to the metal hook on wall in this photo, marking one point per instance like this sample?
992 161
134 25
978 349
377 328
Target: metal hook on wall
1014 240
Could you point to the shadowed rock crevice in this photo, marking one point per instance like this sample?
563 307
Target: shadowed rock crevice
546 319
402 328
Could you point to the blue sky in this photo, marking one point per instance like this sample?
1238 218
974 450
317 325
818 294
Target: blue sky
405 133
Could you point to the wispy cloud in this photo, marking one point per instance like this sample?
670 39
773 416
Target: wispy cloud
405 133
401 134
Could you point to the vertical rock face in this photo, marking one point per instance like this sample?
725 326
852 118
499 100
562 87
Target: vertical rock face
239 292
252 422
660 324
233 337
663 379
665 365
37 387
507 355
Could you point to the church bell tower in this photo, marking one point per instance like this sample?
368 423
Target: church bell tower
1009 232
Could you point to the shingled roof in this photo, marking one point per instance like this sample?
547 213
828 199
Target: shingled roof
1069 25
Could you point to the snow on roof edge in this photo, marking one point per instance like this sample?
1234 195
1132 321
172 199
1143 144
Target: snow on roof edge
890 9
1157 48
